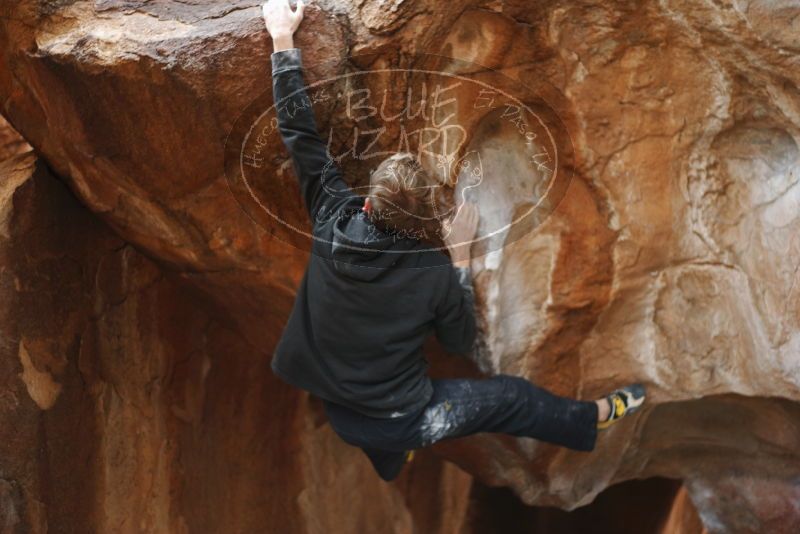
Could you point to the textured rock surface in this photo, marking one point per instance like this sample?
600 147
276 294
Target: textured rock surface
672 258
128 403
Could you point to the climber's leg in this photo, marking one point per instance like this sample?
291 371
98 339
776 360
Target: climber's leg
462 406
353 427
508 404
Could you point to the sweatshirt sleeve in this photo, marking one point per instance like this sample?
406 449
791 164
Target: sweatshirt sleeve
455 317
319 177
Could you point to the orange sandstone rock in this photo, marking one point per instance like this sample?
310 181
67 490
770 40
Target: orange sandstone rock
666 254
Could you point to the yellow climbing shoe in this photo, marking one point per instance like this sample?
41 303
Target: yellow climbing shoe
623 401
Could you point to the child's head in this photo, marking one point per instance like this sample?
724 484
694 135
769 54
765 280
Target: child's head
404 198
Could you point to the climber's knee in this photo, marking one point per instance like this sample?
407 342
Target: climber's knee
513 388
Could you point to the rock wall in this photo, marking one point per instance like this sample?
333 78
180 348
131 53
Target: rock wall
669 257
130 403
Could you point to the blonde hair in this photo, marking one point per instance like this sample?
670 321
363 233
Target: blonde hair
406 199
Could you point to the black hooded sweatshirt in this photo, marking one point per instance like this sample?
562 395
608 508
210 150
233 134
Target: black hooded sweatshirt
368 299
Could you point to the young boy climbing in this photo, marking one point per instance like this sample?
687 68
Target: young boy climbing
374 289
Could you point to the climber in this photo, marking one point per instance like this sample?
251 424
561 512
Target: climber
374 288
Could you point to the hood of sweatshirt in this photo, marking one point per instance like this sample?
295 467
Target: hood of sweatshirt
363 252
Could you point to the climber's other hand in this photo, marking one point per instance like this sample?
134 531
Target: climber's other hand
464 224
460 232
279 18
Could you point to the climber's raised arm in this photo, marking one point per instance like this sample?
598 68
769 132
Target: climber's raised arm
318 175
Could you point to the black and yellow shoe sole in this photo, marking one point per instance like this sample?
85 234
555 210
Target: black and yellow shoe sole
634 391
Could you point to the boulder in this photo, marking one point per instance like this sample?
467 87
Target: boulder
130 402
639 189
